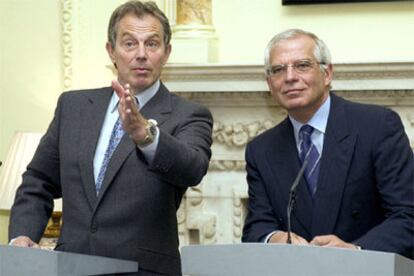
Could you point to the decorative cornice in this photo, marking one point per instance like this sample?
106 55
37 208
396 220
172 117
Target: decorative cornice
393 70
67 43
404 97
251 78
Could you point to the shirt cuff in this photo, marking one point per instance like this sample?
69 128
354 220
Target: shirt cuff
11 241
266 240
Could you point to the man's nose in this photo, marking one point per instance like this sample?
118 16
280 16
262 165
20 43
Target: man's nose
291 73
141 52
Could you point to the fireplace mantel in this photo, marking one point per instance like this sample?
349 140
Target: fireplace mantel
238 97
251 78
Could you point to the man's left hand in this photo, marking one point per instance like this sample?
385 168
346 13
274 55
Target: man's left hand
133 122
331 241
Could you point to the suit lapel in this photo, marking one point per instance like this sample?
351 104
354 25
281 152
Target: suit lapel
335 161
93 115
158 108
286 165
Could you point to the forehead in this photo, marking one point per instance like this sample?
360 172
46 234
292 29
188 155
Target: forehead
292 49
133 24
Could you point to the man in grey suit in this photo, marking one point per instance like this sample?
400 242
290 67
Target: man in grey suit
120 157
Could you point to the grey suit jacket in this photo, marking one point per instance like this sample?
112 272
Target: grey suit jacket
365 191
134 217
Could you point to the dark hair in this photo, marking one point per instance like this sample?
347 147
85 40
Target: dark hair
139 9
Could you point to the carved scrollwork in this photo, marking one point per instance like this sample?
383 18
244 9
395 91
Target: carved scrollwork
239 134
191 217
194 196
238 213
227 165
67 43
194 12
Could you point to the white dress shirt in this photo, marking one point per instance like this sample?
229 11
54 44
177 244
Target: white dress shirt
111 117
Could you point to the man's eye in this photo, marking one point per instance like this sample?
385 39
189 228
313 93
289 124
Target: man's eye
129 44
277 70
152 44
304 65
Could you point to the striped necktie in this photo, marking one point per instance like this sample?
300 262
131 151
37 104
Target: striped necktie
308 151
116 136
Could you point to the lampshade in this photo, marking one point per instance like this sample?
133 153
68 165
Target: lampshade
21 152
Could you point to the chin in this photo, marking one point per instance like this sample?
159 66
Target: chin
140 85
293 104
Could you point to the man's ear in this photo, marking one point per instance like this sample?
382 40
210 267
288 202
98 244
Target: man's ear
110 51
167 54
328 74
268 80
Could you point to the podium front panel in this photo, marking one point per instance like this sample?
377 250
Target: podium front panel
260 259
37 262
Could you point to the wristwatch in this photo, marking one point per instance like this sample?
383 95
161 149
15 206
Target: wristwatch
151 131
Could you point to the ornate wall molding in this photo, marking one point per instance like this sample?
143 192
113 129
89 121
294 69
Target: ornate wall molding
238 134
194 224
263 99
227 165
239 212
67 18
250 78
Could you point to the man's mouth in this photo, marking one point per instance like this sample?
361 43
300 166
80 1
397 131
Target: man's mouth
292 91
141 70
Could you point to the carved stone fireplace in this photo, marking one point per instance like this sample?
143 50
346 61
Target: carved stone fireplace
237 95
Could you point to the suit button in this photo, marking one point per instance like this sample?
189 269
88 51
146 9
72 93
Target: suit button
94 227
355 214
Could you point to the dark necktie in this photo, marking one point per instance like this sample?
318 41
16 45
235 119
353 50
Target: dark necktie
308 151
116 136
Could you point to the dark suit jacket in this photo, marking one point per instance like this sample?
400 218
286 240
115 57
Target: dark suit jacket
134 217
365 191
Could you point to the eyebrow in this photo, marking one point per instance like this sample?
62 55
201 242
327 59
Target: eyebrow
131 34
302 59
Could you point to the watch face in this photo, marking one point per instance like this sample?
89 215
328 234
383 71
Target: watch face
153 129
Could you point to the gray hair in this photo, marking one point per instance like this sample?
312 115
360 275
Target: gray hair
139 9
321 51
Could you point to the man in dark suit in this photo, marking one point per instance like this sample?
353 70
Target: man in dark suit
358 185
121 158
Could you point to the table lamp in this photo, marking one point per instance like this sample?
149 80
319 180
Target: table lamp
21 152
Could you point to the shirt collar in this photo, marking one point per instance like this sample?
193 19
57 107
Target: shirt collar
318 121
143 97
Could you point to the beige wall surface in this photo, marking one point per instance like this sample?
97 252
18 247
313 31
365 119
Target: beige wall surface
32 60
4 221
357 32
30 71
